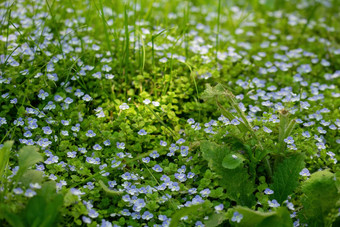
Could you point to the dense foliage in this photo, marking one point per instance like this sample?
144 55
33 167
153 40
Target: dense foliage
169 113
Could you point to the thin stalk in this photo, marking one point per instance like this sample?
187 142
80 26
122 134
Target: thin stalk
218 26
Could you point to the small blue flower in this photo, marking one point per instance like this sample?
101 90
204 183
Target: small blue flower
147 215
219 207
205 192
30 193
304 172
107 143
43 94
163 143
267 130
273 203
142 132
86 220
191 121
90 133
146 160
306 134
124 106
289 140
268 191
157 168
237 217
97 147
147 101
154 154
199 224
120 145
87 98
235 122
18 191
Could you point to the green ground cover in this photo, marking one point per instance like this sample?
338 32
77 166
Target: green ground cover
169 113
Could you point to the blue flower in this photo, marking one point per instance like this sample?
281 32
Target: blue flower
157 168
235 122
146 160
87 98
147 215
273 203
142 132
304 172
30 193
205 192
93 214
112 184
120 145
124 106
267 129
97 147
219 207
199 224
90 133
268 191
289 140
237 217
163 143
86 220
43 94
154 154
191 121
68 100
18 191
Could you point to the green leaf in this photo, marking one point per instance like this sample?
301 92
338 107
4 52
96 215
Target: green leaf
70 199
236 181
11 218
4 156
175 219
278 218
28 156
213 92
215 220
43 209
286 176
321 199
232 161
31 176
214 154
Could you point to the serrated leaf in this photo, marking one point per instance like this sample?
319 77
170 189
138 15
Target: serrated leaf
278 218
28 156
320 198
286 177
236 181
232 160
4 155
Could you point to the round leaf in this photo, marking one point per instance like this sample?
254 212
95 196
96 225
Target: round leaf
232 161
